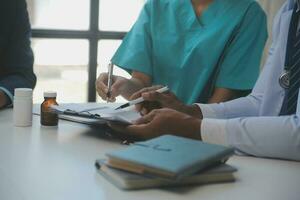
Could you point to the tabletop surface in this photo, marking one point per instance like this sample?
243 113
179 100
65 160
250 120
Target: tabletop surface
42 163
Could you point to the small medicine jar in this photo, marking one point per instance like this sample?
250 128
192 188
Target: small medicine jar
22 107
48 116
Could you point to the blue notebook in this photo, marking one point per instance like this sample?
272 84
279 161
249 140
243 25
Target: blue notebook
169 157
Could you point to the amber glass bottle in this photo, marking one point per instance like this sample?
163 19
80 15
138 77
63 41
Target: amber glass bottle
48 117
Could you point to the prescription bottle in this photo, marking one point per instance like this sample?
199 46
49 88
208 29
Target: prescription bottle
48 117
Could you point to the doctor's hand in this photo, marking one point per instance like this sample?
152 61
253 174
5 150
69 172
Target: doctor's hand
160 122
117 88
156 100
122 86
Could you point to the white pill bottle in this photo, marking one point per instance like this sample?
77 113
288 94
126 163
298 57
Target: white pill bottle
22 113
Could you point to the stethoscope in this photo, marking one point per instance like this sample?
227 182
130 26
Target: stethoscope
284 79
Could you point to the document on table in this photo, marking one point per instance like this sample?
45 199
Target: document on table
105 110
100 112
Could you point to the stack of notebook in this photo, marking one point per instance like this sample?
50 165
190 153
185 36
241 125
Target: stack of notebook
167 161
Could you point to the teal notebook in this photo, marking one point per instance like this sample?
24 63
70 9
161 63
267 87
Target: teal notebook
169 157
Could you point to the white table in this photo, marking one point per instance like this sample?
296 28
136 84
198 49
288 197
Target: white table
40 163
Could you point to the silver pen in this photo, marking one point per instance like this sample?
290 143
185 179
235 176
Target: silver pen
109 81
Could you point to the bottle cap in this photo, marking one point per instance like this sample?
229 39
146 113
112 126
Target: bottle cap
50 94
23 92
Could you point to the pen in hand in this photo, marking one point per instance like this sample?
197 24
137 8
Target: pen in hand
109 81
140 100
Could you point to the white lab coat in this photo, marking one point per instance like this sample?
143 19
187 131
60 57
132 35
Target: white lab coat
251 124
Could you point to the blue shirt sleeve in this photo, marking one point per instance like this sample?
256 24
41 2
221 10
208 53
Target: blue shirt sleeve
239 68
135 52
17 59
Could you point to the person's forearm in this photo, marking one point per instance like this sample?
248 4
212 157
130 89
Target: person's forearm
220 95
23 79
195 129
192 110
275 137
3 99
189 127
242 107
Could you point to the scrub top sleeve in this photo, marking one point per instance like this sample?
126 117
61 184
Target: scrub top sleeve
240 66
135 52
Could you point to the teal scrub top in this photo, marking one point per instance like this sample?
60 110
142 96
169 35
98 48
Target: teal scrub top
184 52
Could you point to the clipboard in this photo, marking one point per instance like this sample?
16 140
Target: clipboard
95 115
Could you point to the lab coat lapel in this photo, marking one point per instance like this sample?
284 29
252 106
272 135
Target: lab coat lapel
285 18
284 31
274 96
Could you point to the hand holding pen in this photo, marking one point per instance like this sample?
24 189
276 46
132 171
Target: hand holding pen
157 97
110 86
